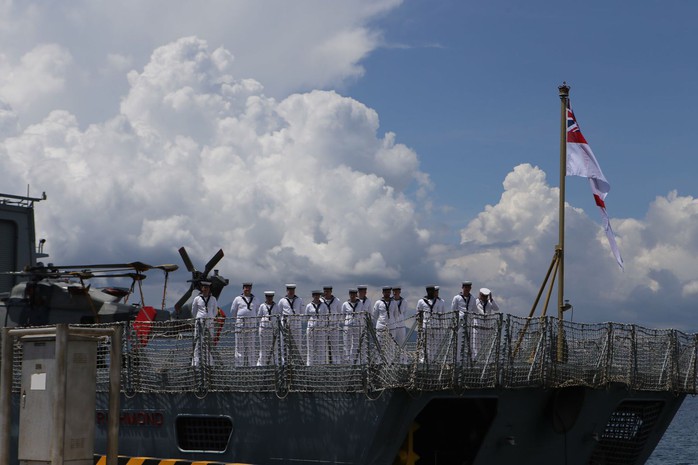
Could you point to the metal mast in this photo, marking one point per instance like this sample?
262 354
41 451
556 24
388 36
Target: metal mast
564 91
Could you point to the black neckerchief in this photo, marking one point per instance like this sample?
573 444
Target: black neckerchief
248 303
467 301
387 306
291 302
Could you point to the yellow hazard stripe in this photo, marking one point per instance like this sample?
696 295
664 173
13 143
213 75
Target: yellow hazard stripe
125 460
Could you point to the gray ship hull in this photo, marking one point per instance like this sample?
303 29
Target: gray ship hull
480 426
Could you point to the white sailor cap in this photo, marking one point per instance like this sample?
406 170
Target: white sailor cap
269 293
485 291
436 288
362 287
353 291
247 283
205 283
328 287
467 283
316 292
290 286
387 288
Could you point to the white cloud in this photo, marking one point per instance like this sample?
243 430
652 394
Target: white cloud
39 73
510 245
199 158
116 63
275 42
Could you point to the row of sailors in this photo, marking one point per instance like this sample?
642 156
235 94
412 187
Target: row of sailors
332 333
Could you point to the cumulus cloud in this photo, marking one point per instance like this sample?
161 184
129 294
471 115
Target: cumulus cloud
307 188
199 158
281 47
39 73
509 247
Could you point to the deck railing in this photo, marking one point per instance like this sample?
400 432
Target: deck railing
436 352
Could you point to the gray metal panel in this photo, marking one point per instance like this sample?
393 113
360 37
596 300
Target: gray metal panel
8 253
37 406
36 400
80 400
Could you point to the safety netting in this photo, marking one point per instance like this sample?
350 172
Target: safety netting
424 352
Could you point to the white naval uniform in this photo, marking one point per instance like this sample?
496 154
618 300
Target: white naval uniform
292 317
397 326
335 321
425 344
440 329
385 311
204 311
465 306
316 333
482 328
268 328
353 324
243 312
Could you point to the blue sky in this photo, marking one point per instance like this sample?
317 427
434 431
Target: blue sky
373 142
472 87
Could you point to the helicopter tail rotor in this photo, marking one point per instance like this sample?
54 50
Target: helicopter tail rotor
217 281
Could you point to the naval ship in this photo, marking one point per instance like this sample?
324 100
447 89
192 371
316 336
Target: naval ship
458 389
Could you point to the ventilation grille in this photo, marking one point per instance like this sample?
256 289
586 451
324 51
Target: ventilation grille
627 432
203 433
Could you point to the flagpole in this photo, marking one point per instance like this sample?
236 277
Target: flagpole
564 91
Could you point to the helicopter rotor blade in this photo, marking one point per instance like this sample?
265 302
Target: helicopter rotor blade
213 262
140 266
167 267
182 300
187 261
135 276
102 266
81 274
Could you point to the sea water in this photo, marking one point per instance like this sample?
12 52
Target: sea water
679 445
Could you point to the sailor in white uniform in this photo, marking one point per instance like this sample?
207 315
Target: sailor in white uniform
204 308
398 329
482 326
243 312
352 327
292 309
441 323
425 309
316 311
464 304
384 311
335 321
268 314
